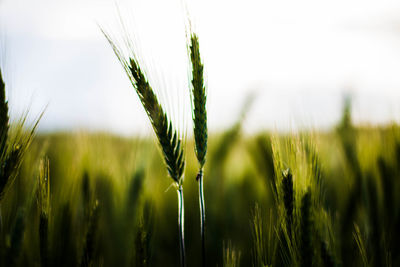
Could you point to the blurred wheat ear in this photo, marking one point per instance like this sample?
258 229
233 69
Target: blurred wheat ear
199 114
12 146
44 206
90 237
4 126
44 186
306 249
288 199
231 256
3 117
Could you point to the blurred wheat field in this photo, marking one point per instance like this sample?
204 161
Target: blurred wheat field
110 203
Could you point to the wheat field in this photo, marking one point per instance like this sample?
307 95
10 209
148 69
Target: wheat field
297 198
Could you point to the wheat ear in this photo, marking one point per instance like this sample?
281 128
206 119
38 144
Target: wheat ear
167 136
199 98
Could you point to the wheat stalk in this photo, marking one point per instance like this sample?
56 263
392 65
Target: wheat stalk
199 114
168 137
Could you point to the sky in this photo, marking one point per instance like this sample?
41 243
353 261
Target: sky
299 58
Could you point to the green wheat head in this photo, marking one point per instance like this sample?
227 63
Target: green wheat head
167 136
199 98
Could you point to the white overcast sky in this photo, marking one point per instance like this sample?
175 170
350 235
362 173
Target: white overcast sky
299 57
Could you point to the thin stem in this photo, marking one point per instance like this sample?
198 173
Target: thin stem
181 223
202 217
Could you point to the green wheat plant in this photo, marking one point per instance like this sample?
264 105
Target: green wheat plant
14 142
168 137
199 114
